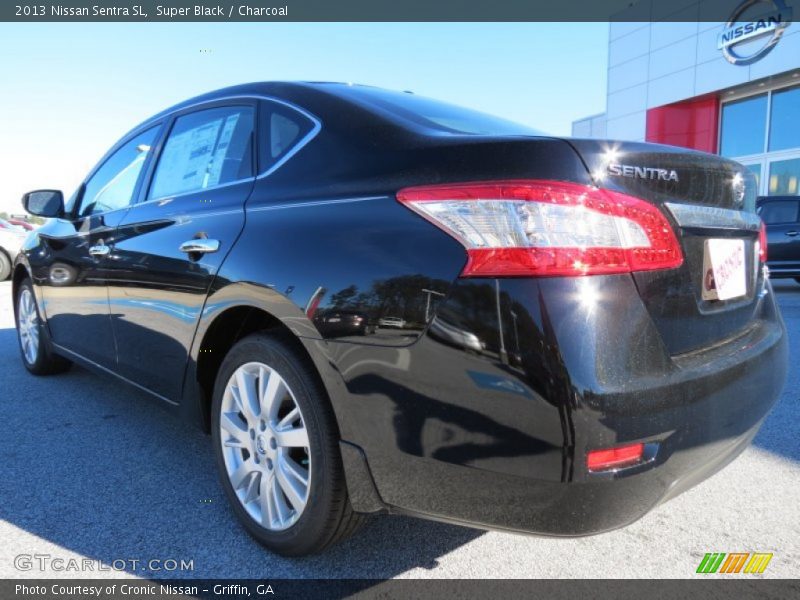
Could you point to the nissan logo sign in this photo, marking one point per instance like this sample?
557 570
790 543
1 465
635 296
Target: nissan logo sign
769 26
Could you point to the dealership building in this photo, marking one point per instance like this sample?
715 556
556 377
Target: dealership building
731 88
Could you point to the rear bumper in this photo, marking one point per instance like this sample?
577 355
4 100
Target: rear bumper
498 438
576 509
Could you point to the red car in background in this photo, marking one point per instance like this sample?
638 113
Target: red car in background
20 223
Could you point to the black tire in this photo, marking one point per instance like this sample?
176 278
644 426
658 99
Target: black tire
327 517
5 266
46 362
797 279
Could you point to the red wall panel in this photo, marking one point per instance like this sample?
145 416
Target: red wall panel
692 123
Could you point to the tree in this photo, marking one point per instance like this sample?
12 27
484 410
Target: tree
342 298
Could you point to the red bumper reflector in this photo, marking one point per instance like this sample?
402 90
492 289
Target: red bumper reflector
614 458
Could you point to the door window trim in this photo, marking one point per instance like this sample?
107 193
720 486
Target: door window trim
188 110
251 100
169 198
230 101
165 122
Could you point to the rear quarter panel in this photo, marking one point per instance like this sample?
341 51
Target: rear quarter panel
327 225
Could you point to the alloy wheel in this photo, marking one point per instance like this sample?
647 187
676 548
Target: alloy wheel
265 446
28 326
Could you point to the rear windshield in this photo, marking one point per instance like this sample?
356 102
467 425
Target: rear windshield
436 115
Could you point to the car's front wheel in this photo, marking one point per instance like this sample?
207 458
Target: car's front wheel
34 344
276 447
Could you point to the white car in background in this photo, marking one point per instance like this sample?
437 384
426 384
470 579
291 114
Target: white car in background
392 322
11 238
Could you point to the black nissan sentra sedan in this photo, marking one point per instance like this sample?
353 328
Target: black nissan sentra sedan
377 302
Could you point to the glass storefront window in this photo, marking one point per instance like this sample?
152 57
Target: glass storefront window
744 124
784 128
756 170
784 177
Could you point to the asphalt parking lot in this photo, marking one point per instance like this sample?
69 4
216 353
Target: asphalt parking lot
90 469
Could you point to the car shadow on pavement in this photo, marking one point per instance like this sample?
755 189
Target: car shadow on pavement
778 435
105 472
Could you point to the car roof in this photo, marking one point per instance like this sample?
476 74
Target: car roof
349 101
282 90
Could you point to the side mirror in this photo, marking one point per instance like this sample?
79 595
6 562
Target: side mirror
44 203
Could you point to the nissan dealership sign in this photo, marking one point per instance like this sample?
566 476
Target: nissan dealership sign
745 42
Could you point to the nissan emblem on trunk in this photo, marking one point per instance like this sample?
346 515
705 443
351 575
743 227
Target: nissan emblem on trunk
743 34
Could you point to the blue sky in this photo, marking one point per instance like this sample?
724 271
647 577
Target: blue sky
69 91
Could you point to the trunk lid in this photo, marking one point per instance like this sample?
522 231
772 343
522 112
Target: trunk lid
706 198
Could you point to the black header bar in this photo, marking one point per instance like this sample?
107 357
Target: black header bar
739 587
369 10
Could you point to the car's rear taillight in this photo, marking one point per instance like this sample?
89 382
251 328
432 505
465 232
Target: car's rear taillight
762 243
547 228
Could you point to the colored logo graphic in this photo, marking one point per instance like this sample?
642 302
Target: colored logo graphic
734 562
741 33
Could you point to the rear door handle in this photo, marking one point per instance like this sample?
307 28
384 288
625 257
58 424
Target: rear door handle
791 233
200 246
99 250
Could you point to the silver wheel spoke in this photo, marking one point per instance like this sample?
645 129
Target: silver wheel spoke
298 473
281 510
272 391
293 481
231 424
247 395
290 418
252 487
266 501
292 438
240 474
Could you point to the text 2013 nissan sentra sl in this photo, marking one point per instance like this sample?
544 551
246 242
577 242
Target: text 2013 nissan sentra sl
377 302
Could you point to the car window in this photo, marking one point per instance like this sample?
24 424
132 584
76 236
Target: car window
780 211
281 129
205 149
112 185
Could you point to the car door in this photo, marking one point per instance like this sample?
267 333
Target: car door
76 256
170 245
781 216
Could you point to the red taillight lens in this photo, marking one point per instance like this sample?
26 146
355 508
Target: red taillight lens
614 458
762 243
548 228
